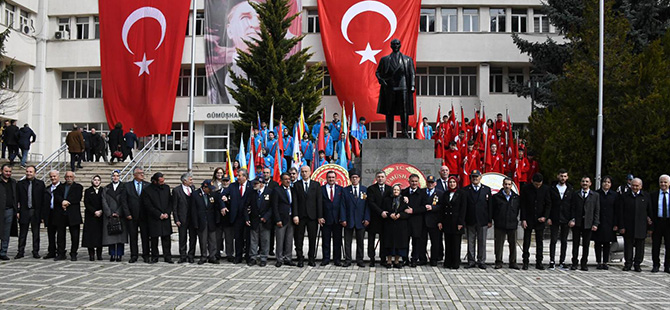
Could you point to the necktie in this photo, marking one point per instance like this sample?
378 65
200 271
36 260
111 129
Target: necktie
67 189
444 185
53 188
30 194
306 186
332 193
188 191
584 195
138 186
288 193
381 189
241 190
356 191
665 205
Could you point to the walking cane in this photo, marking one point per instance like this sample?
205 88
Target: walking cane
318 238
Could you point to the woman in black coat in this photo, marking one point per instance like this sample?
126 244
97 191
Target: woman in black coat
396 228
116 141
606 232
453 223
92 237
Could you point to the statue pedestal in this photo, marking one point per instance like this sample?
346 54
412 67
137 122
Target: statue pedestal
379 153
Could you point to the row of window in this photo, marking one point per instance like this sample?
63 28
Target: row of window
11 12
449 20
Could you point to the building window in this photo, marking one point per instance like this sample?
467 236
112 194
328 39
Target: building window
427 20
446 81
185 82
199 23
75 85
313 21
497 20
540 21
8 82
9 15
217 137
519 20
24 20
516 75
327 82
64 27
496 80
82 28
470 20
101 128
449 20
96 25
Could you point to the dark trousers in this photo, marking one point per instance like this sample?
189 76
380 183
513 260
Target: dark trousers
227 241
75 157
452 250
13 152
299 237
539 243
349 234
630 242
333 231
34 226
374 230
660 234
89 154
184 233
584 235
499 236
193 238
390 118
136 230
166 245
556 230
74 239
4 150
417 233
436 248
241 235
51 238
602 252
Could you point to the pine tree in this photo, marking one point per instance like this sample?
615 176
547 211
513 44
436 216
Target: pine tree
8 67
272 76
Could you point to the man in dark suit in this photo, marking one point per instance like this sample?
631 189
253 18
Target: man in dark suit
442 183
334 215
10 137
585 218
416 200
432 218
237 196
9 207
48 213
395 74
157 202
376 193
505 211
260 221
67 209
309 215
477 218
357 218
136 216
270 184
206 208
634 222
561 196
660 219
535 210
182 197
284 205
30 193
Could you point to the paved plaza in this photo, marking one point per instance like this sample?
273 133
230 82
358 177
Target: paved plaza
30 283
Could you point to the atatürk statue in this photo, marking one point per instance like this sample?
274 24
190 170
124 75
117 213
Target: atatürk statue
396 94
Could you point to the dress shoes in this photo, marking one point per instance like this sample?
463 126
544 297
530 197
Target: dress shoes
585 268
118 259
397 265
18 256
412 264
573 267
214 261
311 263
73 257
638 268
263 264
153 260
360 264
100 257
49 256
182 260
324 263
626 268
346 264
251 262
338 264
655 269
388 265
433 263
600 267
112 258
169 261
539 266
372 263
278 264
133 260
36 256
4 257
301 263
191 260
525 266
91 258
552 266
471 265
202 261
605 267
514 266
498 266
59 257
289 263
482 266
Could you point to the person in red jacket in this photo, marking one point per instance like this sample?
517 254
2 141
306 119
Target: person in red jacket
519 169
471 161
497 163
534 166
452 159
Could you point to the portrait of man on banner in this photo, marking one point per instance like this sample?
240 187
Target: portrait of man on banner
228 24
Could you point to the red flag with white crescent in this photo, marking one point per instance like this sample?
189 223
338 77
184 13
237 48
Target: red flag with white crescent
141 47
356 35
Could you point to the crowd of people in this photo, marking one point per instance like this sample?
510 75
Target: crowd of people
250 220
14 139
91 146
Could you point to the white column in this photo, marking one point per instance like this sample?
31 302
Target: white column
530 21
38 121
508 20
460 22
483 77
484 19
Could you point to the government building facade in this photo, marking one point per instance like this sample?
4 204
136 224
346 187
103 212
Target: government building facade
465 57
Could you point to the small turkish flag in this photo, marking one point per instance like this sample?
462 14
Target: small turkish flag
141 47
355 36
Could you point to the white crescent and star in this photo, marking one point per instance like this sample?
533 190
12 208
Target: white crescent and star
368 6
135 16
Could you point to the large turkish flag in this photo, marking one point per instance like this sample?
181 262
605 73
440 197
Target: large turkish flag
356 35
141 46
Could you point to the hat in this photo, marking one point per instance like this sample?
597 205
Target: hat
630 177
353 172
430 179
208 183
259 179
475 173
225 178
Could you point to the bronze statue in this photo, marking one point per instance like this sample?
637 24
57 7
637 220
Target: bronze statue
395 74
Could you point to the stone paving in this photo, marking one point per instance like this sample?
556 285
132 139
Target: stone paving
31 283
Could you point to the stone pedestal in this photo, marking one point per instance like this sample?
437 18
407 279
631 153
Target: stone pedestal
379 153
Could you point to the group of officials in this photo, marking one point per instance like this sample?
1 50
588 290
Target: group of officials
255 216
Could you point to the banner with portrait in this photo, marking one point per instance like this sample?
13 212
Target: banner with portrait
228 23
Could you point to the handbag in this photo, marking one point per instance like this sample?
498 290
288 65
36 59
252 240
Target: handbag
114 226
117 154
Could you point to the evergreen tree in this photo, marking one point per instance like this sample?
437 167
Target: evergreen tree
272 76
8 66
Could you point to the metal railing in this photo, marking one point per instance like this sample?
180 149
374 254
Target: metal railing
56 161
144 159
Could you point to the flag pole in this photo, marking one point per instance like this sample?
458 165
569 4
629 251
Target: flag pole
599 142
191 92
